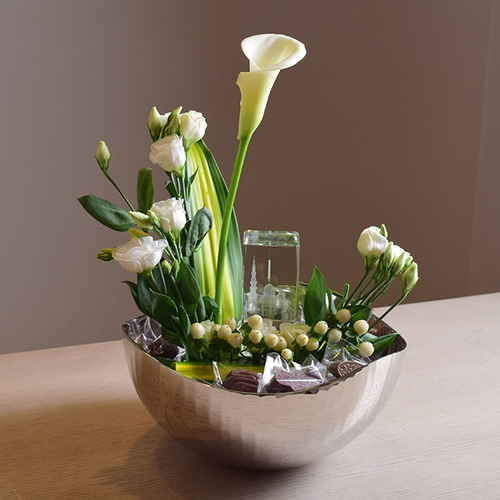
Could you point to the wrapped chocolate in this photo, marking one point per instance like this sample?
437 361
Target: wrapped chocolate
146 332
342 361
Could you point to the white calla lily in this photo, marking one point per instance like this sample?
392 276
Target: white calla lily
268 55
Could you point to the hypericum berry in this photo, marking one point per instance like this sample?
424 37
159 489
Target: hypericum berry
321 327
302 339
361 326
286 354
197 331
271 339
281 344
366 348
255 336
312 345
235 339
231 322
343 315
255 322
334 335
224 332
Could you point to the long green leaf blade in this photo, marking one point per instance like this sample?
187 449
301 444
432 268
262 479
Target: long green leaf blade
209 190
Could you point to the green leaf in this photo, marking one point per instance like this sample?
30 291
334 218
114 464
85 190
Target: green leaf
331 302
209 190
133 290
315 299
185 324
144 294
145 190
164 310
172 191
188 287
107 213
211 306
198 229
382 343
360 312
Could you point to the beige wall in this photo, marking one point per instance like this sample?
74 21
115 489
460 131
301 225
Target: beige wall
392 117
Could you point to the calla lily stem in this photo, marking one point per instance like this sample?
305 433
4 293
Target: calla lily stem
228 209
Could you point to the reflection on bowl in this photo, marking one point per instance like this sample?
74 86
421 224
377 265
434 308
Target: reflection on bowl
266 431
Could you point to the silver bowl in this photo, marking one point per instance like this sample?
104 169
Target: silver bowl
268 431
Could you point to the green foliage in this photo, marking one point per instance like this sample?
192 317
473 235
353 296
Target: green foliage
315 299
145 190
209 190
107 213
197 230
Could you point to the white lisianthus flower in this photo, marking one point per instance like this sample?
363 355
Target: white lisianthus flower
168 153
268 55
139 254
193 126
371 244
171 213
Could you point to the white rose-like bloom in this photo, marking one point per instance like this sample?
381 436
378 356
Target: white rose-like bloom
168 153
139 254
268 55
193 126
371 244
171 213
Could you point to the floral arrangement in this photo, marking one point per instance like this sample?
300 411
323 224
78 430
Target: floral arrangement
186 254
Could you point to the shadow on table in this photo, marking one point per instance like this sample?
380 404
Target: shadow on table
167 469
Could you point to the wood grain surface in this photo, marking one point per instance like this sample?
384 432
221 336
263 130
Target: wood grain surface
72 427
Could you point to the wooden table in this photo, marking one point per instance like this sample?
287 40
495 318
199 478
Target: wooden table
72 427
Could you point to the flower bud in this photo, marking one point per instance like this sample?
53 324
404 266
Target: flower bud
197 331
334 335
409 278
255 336
235 339
312 345
156 122
105 254
224 332
321 327
231 322
255 322
166 266
343 316
192 127
141 220
271 340
133 232
372 244
173 125
169 154
302 339
103 156
281 344
366 348
171 214
361 326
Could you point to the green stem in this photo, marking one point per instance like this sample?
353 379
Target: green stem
403 297
367 272
228 209
115 185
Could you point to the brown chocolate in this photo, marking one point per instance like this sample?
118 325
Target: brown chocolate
243 381
293 380
341 369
